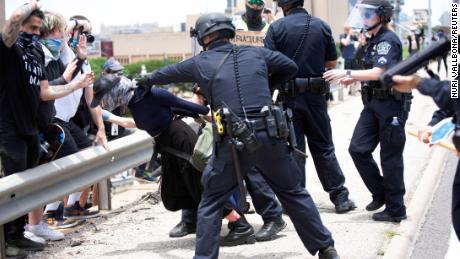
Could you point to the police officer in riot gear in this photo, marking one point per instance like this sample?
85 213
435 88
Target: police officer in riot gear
308 41
384 115
234 80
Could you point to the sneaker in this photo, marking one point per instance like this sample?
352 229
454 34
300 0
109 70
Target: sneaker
77 212
55 219
63 223
25 244
15 253
33 237
42 230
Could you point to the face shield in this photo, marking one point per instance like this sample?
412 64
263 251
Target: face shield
196 47
363 17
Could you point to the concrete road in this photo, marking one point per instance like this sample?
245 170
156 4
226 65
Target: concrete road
436 234
142 231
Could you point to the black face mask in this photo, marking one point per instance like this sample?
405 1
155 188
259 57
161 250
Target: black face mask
253 18
28 39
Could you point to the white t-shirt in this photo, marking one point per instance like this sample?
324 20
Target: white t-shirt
67 106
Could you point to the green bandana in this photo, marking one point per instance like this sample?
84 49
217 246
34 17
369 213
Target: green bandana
256 2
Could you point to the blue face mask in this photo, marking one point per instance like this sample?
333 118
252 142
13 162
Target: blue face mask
54 46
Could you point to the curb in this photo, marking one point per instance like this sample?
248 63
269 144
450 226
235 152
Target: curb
402 244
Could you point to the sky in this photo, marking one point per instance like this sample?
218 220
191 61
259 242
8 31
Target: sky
166 12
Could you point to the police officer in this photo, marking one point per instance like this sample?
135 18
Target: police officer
308 41
235 78
252 19
384 115
263 198
441 94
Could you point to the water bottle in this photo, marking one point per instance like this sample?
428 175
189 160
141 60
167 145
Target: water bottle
395 121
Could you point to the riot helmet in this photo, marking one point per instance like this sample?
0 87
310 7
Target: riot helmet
369 14
210 23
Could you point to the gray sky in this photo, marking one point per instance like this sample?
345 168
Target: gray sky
166 12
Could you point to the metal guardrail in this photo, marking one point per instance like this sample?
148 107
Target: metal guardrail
25 191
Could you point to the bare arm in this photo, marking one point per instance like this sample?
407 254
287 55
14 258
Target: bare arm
96 114
367 75
52 92
356 75
13 25
127 123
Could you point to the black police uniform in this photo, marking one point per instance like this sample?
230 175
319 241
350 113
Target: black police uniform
382 121
310 111
273 158
263 198
441 94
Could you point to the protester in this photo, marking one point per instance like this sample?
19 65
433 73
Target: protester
66 108
23 84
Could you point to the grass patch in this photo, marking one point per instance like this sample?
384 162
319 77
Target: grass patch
391 233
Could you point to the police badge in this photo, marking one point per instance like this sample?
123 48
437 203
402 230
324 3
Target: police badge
383 48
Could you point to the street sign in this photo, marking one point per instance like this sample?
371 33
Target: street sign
421 16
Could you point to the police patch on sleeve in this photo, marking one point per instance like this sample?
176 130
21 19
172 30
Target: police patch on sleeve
383 48
382 61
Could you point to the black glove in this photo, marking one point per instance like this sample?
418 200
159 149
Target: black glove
145 84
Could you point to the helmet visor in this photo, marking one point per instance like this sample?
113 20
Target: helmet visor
362 16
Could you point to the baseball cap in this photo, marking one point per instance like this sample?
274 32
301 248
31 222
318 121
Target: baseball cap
113 65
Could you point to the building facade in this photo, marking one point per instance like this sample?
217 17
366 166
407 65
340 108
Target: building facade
2 13
156 44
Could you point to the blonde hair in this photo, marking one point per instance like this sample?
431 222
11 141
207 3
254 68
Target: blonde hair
51 23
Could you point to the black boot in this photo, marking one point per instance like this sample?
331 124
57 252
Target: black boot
329 253
375 205
241 232
270 229
345 207
386 216
182 229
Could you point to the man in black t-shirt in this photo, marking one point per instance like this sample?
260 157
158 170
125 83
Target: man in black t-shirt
23 84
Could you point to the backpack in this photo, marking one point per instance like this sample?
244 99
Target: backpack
203 148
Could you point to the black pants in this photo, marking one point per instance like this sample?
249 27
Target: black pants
18 153
440 59
75 139
180 184
280 171
312 120
374 127
456 202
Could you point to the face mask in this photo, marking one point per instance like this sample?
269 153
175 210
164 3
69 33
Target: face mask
28 39
254 17
54 46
